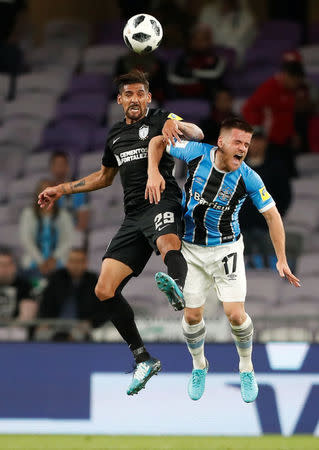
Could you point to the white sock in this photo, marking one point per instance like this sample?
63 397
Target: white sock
195 338
243 337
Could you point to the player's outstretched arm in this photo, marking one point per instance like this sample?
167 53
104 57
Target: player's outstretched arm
277 234
175 129
155 183
96 180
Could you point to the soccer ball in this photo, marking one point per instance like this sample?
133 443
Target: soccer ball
142 33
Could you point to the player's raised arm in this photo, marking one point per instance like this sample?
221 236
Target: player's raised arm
155 183
96 180
277 234
175 129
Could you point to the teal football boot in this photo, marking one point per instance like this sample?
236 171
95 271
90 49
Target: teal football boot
196 385
170 288
143 372
248 386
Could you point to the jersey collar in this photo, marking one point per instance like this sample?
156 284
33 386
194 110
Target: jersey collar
212 158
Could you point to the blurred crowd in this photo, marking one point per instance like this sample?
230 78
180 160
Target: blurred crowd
210 50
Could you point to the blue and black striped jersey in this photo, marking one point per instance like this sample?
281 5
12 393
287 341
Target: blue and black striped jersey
212 198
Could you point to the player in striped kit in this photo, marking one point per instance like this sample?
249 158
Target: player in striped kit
217 184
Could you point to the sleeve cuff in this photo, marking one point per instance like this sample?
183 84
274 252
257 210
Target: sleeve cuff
265 208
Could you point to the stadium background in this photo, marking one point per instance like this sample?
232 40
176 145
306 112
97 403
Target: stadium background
62 98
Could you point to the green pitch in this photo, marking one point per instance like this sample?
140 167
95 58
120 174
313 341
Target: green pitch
45 442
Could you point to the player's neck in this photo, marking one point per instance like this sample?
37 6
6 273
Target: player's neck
219 161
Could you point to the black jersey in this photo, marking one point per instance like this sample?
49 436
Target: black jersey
127 147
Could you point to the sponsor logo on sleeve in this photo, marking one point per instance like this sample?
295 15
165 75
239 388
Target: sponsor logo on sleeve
264 194
174 116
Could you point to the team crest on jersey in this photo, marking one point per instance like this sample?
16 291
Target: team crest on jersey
225 194
143 131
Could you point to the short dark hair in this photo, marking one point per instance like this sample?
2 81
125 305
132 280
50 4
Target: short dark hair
59 154
236 122
6 251
134 76
293 68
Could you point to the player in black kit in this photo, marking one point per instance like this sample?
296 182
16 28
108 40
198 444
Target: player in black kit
145 227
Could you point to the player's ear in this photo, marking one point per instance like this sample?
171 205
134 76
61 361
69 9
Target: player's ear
119 99
149 97
220 141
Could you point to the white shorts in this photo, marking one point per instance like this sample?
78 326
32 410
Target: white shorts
221 266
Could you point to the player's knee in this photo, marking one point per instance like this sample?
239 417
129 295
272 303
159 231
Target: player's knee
192 316
168 242
104 292
236 317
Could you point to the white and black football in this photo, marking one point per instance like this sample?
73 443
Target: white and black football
143 33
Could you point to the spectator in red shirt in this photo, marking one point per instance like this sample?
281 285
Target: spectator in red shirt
198 72
277 96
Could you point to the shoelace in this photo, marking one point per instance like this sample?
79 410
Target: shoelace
196 378
140 371
247 379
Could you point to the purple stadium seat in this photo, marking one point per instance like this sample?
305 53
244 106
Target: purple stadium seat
110 32
313 33
308 265
268 51
308 164
67 135
22 131
37 106
99 138
92 106
168 55
256 280
5 216
44 81
12 160
9 237
89 82
228 53
281 30
89 162
102 58
67 31
243 83
192 110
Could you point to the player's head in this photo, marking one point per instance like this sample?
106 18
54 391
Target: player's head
292 74
8 268
134 94
233 143
60 166
77 262
223 101
201 38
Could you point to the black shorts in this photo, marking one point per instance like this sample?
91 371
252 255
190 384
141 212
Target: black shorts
135 241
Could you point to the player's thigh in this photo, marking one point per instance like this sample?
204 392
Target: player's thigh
130 246
229 272
197 283
160 220
112 274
